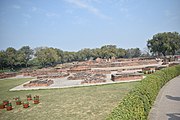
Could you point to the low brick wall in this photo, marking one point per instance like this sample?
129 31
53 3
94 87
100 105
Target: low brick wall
126 77
7 75
38 83
56 75
93 80
100 72
76 69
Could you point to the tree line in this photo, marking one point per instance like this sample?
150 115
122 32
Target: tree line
162 44
48 56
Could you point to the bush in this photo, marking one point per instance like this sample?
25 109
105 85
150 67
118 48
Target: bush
137 104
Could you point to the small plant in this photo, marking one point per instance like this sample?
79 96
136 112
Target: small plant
36 96
36 99
5 102
18 102
26 104
2 106
9 106
17 98
29 97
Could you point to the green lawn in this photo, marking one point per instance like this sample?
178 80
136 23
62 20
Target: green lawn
81 103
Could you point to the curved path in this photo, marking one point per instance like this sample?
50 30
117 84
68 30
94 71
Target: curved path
167 104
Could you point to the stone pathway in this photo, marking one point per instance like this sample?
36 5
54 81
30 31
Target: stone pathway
167 104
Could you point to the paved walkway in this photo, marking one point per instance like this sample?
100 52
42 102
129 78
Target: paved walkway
167 104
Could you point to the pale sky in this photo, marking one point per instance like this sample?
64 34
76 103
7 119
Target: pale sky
75 24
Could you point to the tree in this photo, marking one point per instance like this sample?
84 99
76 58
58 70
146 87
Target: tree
24 54
96 53
11 57
59 54
47 56
133 52
174 42
145 52
164 43
69 56
120 53
84 54
3 60
108 51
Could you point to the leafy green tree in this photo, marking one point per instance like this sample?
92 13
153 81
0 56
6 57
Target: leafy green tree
96 53
3 60
34 62
59 54
174 42
69 56
11 57
47 56
44 56
133 52
164 43
24 54
108 51
120 53
84 54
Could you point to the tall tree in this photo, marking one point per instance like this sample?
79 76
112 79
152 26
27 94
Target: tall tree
174 42
133 52
11 56
164 43
59 54
47 56
108 51
24 54
69 56
120 53
85 54
3 60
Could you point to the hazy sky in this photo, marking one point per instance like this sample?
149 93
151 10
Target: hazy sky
75 24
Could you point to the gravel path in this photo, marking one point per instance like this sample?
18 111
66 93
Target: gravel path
167 104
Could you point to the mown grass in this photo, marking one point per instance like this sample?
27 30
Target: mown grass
81 103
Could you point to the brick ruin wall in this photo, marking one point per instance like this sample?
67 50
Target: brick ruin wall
39 83
7 75
120 78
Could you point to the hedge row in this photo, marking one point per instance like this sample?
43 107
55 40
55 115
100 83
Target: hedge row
137 104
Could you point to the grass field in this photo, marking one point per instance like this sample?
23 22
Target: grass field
81 103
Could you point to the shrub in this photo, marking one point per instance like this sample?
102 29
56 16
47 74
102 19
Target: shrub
9 104
16 98
28 96
36 97
26 102
137 104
